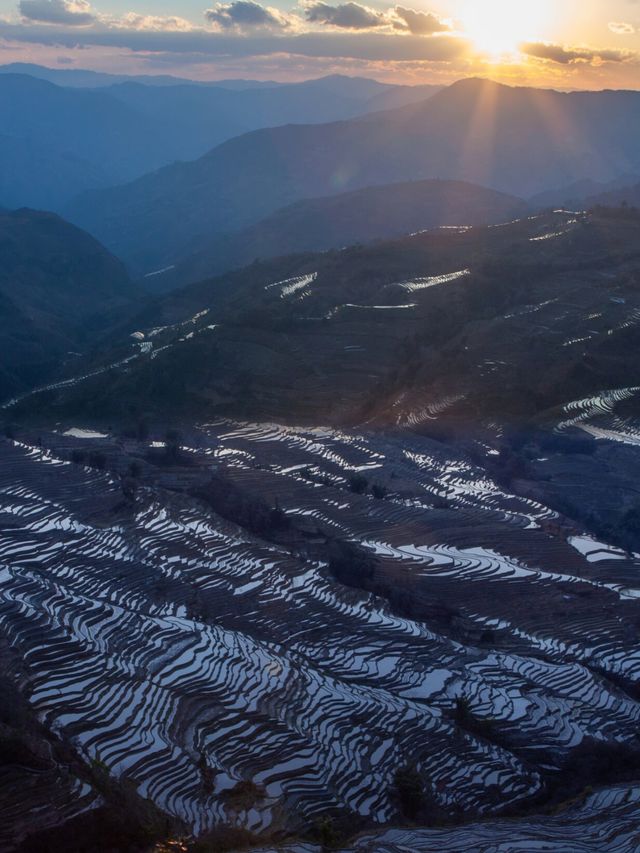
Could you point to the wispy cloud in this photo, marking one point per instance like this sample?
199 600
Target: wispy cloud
158 23
622 28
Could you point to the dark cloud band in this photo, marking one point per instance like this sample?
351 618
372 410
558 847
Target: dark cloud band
569 55
373 46
75 13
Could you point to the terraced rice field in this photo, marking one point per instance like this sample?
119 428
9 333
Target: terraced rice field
188 655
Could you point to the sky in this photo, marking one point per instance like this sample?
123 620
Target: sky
564 44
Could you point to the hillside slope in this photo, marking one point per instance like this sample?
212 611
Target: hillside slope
39 175
58 287
502 324
489 134
344 220
628 196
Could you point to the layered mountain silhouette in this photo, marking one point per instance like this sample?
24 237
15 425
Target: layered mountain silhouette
516 140
56 142
83 78
332 222
58 289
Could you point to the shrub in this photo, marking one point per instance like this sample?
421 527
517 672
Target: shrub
173 443
97 460
379 492
358 484
236 505
135 469
326 833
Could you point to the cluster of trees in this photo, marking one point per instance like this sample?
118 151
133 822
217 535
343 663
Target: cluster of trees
409 788
593 764
249 511
359 485
93 459
350 564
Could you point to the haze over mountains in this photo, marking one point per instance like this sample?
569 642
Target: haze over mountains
56 141
84 79
519 141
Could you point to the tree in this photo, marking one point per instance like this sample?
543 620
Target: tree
173 444
410 790
135 469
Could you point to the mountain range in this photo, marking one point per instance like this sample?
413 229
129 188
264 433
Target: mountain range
516 140
58 141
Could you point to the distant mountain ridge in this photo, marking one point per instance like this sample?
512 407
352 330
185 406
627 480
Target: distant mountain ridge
486 133
87 79
80 138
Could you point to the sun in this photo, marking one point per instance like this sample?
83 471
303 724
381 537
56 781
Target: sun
497 27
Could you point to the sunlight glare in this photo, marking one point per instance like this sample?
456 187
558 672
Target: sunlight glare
499 26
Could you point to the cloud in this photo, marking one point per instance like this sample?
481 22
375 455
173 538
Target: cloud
622 28
570 55
76 13
419 23
355 16
245 15
158 23
351 16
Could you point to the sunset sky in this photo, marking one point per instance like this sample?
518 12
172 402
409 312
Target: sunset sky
560 43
